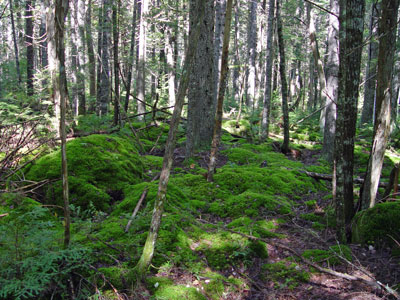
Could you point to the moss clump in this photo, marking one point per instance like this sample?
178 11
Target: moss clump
259 248
329 256
241 128
164 288
97 165
16 204
285 275
377 224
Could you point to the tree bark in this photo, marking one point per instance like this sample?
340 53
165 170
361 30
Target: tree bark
148 250
56 14
115 18
252 50
15 42
268 73
91 56
221 93
201 104
131 57
367 114
141 68
387 42
332 72
351 38
29 5
284 87
81 61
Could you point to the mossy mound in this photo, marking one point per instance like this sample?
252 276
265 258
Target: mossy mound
99 167
331 256
378 225
241 128
285 274
165 288
16 204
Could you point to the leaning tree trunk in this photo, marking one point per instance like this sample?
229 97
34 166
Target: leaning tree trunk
351 38
387 45
56 14
332 70
268 73
148 250
284 88
221 93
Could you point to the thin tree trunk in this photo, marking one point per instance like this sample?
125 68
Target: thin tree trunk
219 24
91 56
148 250
387 43
351 38
284 88
170 66
332 70
221 93
131 57
29 4
115 18
236 70
15 42
141 68
370 77
81 61
268 73
252 50
56 14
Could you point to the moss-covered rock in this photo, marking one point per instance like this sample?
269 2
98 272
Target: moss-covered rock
378 224
98 166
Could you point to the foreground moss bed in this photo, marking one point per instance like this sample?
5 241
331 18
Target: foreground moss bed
253 193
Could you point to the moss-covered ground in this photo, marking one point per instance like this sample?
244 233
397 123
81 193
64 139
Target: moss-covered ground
203 249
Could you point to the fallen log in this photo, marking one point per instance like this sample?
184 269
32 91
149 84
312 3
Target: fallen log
328 177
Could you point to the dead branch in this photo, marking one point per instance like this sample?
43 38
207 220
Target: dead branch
142 197
3 215
328 177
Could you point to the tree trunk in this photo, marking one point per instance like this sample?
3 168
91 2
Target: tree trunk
56 14
74 59
29 5
91 56
284 88
367 114
131 57
148 250
116 61
351 38
15 42
44 61
201 105
268 73
387 43
332 72
105 78
220 6
81 61
252 50
221 93
170 65
236 70
141 68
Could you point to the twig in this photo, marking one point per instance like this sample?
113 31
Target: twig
144 194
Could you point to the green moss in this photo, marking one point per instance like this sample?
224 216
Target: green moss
377 224
330 256
312 217
259 248
242 128
310 203
164 288
118 276
97 164
284 274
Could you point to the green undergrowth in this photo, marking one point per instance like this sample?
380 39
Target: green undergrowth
284 274
331 257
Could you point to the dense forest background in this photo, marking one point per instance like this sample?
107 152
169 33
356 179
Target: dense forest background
229 116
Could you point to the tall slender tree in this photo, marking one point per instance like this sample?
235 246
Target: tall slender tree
29 5
14 35
387 42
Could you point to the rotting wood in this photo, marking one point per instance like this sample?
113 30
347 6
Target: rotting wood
142 197
328 177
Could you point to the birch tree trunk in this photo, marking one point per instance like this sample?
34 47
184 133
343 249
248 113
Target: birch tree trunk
148 250
387 43
268 73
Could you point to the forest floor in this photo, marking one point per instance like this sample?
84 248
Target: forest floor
297 233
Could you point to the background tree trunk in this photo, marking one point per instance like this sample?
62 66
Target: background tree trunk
91 56
141 68
29 5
